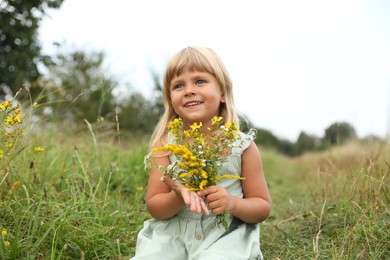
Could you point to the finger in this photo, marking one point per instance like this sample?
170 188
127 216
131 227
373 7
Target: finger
218 211
186 197
195 203
204 192
198 205
211 197
201 193
208 191
192 201
204 207
213 205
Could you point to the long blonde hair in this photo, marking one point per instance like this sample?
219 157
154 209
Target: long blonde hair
194 59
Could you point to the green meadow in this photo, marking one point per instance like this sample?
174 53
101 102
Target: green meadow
78 194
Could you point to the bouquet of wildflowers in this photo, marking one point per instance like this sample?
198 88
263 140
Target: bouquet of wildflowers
200 155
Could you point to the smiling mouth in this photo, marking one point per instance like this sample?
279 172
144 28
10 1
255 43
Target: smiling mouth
191 104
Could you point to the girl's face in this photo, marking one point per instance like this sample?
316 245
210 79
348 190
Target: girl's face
196 97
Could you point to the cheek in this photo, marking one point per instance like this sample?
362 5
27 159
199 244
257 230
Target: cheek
175 101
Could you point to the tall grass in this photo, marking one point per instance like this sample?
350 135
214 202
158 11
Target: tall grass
331 205
82 198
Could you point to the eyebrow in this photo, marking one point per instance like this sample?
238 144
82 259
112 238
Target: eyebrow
197 75
175 82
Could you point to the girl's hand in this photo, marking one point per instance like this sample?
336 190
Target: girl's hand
218 199
196 203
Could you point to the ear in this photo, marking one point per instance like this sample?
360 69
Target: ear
223 98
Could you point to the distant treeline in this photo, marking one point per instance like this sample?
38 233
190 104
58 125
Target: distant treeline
336 133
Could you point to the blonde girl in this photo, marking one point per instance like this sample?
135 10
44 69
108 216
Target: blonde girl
196 88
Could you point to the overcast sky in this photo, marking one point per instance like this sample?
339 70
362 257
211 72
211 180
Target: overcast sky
295 65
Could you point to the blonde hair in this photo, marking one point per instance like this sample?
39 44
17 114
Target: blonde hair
194 59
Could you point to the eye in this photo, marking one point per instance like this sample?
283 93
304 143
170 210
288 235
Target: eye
177 86
200 82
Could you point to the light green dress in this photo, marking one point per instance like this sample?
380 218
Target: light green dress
193 236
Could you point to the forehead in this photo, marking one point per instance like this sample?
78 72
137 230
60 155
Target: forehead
189 61
190 67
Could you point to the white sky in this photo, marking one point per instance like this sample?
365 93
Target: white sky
295 65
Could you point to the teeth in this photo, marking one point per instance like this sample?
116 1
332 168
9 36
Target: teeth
192 104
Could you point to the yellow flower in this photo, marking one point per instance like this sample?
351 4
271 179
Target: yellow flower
17 119
195 126
187 133
1 154
39 149
229 176
175 123
4 232
201 140
9 121
183 175
5 105
7 243
175 126
216 120
204 174
202 184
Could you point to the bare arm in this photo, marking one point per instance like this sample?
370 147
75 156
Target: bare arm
256 204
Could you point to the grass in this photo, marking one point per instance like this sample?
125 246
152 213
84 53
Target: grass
82 198
330 205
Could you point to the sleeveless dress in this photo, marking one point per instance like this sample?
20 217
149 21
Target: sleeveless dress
192 236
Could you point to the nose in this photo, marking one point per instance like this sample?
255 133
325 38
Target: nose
189 91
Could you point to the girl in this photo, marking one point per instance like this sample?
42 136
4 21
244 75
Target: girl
196 88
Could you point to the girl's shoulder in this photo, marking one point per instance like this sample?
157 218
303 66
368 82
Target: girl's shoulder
244 140
250 135
163 140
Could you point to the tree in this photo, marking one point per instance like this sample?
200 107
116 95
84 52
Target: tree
266 138
137 114
338 133
306 142
19 46
157 97
82 89
286 147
